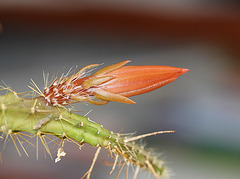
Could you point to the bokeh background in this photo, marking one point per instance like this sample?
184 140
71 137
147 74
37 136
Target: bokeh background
203 106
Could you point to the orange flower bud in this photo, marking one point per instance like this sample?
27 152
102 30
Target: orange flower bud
112 83
134 80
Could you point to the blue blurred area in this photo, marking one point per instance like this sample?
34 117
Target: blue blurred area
202 105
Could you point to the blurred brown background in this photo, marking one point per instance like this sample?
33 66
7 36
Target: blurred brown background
202 105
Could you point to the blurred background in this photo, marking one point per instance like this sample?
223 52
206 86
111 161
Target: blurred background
203 106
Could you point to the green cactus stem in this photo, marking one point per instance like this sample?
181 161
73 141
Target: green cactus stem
38 117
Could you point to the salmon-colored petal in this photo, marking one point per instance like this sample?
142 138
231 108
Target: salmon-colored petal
135 80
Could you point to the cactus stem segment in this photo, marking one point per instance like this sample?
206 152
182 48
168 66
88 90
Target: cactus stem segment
20 116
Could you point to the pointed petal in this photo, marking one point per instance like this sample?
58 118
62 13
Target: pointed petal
135 80
90 82
110 68
105 95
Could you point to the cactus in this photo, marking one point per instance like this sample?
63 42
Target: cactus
35 116
46 114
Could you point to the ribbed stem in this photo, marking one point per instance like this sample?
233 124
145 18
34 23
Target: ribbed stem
36 116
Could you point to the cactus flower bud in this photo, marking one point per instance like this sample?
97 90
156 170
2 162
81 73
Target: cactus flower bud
112 83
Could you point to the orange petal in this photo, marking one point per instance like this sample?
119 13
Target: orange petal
134 80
